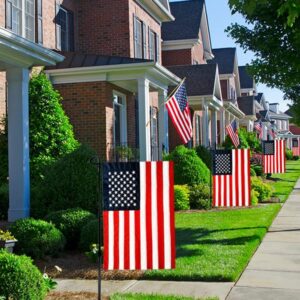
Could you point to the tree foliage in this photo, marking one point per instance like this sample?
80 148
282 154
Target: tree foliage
272 32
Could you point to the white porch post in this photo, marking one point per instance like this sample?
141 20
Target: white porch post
144 119
265 131
162 124
18 143
227 118
205 120
222 125
214 131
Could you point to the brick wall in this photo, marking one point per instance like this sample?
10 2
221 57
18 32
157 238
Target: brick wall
177 57
2 13
90 109
198 54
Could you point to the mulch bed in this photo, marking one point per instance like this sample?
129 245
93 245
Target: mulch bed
76 265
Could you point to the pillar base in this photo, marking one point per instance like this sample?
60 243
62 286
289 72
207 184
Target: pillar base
15 214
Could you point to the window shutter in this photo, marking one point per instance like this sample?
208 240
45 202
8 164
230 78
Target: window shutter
71 30
144 41
135 35
40 21
58 28
157 48
8 20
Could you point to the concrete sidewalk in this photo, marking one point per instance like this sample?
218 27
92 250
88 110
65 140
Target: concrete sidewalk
274 271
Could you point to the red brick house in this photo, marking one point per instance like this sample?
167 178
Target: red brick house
112 80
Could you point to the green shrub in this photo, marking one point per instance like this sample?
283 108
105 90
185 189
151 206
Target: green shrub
182 201
90 235
243 140
20 279
51 133
70 223
205 155
258 169
200 196
289 154
264 190
252 172
188 167
3 201
70 182
295 157
37 238
254 197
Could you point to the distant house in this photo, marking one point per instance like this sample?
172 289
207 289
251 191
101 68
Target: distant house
248 86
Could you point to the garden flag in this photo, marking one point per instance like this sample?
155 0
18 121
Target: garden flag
231 178
138 216
296 147
179 112
274 156
232 131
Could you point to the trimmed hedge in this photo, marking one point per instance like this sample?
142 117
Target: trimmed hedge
264 190
89 235
70 223
289 154
188 167
20 279
70 182
200 196
37 238
182 201
205 155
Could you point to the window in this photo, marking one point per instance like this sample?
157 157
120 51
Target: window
20 17
64 29
120 122
198 130
152 44
39 13
140 44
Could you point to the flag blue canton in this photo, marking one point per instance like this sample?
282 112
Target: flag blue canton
181 97
234 126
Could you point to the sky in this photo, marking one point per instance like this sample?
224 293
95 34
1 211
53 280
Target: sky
219 17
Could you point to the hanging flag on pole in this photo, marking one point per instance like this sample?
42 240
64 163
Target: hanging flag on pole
231 178
232 131
274 156
259 128
296 147
272 133
179 112
138 216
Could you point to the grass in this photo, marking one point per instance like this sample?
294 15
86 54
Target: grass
216 246
283 184
154 297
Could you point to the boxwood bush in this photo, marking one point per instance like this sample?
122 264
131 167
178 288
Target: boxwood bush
20 279
70 182
37 238
205 155
90 235
70 223
289 154
182 200
200 196
188 167
264 190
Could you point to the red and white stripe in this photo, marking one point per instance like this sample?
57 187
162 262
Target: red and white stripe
144 239
296 150
181 120
234 190
233 135
275 164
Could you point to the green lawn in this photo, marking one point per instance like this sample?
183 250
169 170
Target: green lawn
216 246
154 297
284 183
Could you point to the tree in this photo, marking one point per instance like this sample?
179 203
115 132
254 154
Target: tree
272 32
51 134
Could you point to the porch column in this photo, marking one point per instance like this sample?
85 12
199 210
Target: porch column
214 131
222 125
162 124
205 120
265 131
227 118
18 143
144 119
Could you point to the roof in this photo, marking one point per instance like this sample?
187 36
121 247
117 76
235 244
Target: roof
225 58
258 97
77 60
295 129
246 80
246 105
187 21
200 79
279 115
264 115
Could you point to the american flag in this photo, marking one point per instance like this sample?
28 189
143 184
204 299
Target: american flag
259 128
274 156
231 178
272 133
233 133
296 147
138 216
179 112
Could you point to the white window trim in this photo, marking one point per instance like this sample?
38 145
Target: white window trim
123 131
